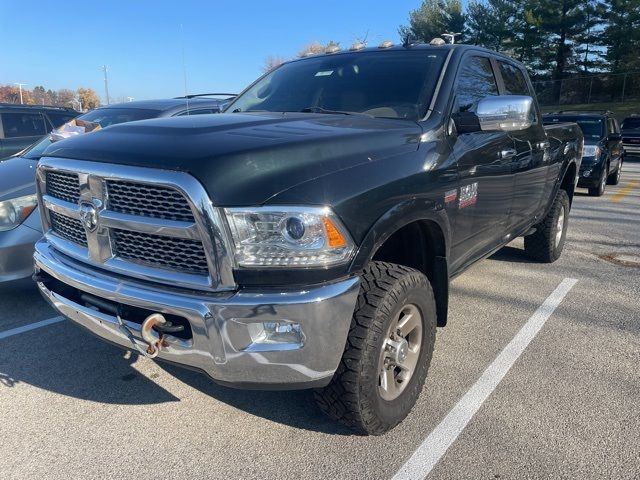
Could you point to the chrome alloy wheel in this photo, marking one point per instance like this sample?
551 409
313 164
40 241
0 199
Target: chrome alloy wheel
559 226
400 352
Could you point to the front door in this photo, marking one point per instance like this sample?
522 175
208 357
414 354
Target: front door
484 168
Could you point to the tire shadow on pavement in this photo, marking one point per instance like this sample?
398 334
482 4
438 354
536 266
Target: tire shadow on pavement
295 408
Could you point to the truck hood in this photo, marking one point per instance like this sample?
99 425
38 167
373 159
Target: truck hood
17 177
246 158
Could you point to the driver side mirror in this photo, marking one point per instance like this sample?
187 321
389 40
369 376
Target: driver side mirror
502 113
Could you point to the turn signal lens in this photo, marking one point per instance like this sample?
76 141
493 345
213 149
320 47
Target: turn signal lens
334 237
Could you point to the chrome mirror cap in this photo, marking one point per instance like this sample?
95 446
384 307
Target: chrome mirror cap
505 113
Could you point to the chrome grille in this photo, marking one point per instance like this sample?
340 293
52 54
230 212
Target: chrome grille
68 228
146 223
165 252
63 185
148 201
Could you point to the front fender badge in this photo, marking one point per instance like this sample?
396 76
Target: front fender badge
468 195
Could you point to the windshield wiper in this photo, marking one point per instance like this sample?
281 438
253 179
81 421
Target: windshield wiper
332 112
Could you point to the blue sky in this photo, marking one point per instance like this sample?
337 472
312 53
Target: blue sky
64 44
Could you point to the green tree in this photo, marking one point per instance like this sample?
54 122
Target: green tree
621 35
491 24
433 18
588 52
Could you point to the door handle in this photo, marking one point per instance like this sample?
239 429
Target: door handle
507 153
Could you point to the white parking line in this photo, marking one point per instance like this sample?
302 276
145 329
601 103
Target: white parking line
442 437
32 326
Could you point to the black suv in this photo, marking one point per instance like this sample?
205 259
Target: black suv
602 156
21 125
631 135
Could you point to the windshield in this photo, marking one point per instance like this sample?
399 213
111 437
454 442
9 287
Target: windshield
631 124
387 84
592 128
104 116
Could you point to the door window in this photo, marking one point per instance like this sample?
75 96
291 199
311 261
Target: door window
475 82
23 125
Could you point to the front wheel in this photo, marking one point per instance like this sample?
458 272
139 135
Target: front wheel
547 243
602 184
388 351
614 179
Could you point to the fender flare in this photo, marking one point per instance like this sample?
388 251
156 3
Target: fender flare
399 216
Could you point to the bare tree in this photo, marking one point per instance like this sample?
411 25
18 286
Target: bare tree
313 48
272 62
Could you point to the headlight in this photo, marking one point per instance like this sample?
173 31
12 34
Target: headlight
288 237
591 151
13 212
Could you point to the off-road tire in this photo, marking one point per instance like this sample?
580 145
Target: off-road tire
602 182
542 245
614 178
352 397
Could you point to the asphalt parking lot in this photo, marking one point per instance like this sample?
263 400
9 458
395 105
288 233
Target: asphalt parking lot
569 406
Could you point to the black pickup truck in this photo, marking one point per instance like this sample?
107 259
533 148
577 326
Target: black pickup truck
306 238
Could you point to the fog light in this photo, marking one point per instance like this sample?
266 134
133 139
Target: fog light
277 335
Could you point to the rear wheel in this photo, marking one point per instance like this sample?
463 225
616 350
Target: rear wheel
602 184
388 351
547 243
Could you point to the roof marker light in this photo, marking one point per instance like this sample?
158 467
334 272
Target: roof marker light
332 49
436 42
357 46
386 44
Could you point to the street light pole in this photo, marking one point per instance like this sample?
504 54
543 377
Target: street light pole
106 83
20 87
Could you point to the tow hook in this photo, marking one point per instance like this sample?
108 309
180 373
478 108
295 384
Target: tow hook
147 334
153 343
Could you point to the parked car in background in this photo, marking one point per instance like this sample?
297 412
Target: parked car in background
20 225
306 237
602 156
631 135
21 125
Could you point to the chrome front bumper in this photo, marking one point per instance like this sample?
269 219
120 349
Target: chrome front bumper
224 343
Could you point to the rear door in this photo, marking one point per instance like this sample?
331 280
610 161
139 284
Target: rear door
484 168
531 160
21 129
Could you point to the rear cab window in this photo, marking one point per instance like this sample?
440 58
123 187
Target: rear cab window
513 78
16 125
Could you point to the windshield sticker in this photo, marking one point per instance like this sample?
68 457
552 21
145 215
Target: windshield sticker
324 73
468 195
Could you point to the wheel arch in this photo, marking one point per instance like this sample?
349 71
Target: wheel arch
416 238
568 182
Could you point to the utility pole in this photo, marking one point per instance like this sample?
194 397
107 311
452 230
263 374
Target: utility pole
106 83
451 36
20 85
